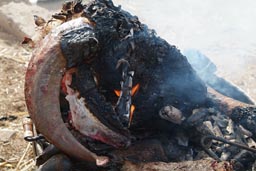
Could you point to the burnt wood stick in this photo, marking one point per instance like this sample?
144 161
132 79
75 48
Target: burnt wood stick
224 103
124 102
241 113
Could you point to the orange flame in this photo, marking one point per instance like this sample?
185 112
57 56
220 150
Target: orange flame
133 92
117 92
131 114
135 89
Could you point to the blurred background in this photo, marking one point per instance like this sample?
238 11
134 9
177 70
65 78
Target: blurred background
223 30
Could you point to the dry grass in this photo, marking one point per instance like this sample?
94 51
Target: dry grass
16 154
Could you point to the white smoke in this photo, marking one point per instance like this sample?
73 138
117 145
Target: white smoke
222 30
33 1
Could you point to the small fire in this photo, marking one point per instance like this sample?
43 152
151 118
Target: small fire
117 92
135 89
133 92
131 114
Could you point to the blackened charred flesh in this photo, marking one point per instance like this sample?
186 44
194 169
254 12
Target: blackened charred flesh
164 74
78 45
246 117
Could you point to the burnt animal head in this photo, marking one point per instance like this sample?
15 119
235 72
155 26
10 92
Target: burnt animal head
92 45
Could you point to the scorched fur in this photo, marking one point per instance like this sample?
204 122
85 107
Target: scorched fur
76 68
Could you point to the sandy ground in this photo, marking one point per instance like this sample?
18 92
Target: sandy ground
225 50
16 21
12 68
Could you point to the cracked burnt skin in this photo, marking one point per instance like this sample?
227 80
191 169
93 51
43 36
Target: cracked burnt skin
164 74
80 56
79 47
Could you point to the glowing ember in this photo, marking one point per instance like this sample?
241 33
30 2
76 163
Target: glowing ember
133 92
135 89
131 114
117 92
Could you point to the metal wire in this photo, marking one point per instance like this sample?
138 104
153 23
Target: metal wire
33 138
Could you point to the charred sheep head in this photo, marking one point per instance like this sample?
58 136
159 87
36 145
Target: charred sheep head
77 58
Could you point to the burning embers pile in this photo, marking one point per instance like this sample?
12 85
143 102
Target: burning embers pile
223 139
101 87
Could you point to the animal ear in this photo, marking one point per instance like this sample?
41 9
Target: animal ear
39 21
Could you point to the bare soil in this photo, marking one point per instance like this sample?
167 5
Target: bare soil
16 22
13 63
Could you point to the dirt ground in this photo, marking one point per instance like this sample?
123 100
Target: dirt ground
13 62
16 154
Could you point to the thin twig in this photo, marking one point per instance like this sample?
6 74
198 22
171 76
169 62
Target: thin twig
29 166
2 164
22 157
26 164
20 113
5 165
20 61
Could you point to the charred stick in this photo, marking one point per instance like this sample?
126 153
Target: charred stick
224 103
123 107
213 155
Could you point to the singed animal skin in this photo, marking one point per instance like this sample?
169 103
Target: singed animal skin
164 74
